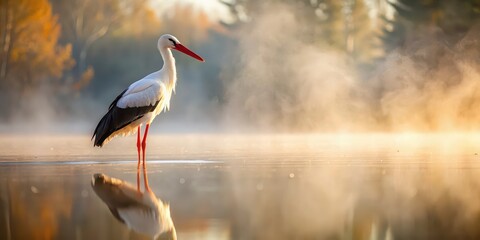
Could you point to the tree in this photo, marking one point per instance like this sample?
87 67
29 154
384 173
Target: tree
360 37
30 55
84 22
345 26
87 22
453 18
125 53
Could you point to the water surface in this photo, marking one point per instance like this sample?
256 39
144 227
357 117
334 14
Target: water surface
406 186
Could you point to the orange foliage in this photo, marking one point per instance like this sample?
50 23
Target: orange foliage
31 54
84 80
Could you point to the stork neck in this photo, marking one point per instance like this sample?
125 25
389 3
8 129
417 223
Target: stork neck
169 67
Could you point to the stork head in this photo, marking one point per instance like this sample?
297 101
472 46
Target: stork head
170 41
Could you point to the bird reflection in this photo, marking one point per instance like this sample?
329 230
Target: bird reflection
140 211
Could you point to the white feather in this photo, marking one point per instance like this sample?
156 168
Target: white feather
145 92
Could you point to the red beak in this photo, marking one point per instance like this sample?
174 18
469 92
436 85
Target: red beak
183 49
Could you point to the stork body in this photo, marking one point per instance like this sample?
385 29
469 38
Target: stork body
139 104
143 100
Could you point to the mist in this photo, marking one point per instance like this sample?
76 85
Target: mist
309 119
273 69
283 82
376 187
429 85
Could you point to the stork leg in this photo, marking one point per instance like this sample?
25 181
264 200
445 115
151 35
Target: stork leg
144 146
138 153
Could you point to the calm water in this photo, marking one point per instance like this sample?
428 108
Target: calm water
250 186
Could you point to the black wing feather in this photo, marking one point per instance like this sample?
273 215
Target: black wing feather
114 103
117 118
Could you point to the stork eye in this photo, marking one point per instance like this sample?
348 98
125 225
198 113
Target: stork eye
174 43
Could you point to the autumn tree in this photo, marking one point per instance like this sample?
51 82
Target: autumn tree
30 56
125 52
84 22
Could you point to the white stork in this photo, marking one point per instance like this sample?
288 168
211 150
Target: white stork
143 100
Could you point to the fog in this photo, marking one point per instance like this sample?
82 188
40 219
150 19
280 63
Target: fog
270 67
351 119
283 82
363 189
370 186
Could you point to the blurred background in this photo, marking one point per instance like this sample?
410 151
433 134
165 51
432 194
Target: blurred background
389 89
273 66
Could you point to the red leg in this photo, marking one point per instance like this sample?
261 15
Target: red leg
138 164
144 146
